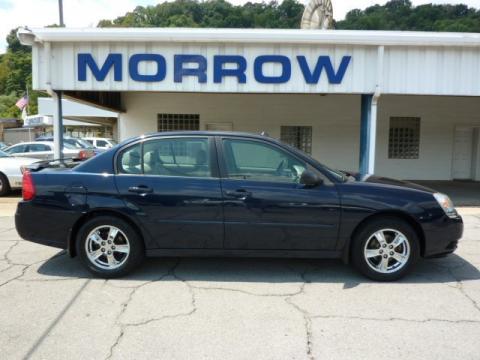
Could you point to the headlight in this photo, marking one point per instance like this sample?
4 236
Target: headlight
446 204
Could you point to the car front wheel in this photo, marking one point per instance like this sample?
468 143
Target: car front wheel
109 247
385 249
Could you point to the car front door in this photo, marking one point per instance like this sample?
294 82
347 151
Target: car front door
17 150
172 185
266 207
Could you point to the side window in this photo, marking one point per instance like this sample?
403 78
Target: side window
254 160
130 160
188 157
16 149
37 148
102 143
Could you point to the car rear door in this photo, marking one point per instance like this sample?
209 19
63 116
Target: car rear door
172 185
265 206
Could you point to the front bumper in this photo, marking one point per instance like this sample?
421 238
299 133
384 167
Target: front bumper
442 236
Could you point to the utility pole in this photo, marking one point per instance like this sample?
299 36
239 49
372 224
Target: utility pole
60 11
58 120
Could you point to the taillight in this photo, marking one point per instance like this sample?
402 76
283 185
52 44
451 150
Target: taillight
28 187
85 154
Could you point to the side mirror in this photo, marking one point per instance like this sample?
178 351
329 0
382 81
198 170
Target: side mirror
310 179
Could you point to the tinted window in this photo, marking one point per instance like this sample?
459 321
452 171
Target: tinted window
130 160
89 141
102 143
187 157
254 160
16 149
37 148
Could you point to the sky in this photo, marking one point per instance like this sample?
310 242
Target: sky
87 13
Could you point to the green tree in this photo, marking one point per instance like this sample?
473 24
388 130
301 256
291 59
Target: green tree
16 77
402 15
212 14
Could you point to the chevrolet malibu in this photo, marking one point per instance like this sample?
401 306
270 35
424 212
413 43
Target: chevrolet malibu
231 194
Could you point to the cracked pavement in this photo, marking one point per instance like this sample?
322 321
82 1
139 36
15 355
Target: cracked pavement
196 308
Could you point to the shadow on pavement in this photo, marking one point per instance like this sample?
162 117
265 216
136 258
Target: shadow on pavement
255 270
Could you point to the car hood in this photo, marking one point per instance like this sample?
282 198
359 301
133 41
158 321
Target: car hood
373 179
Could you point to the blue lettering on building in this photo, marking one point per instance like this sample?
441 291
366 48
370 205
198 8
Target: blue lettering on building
224 66
219 71
323 62
138 58
199 70
112 60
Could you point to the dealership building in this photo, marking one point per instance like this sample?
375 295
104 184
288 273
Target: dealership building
400 104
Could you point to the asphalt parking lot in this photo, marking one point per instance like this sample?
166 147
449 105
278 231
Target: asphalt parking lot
50 308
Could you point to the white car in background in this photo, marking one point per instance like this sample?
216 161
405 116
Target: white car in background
11 172
43 150
101 143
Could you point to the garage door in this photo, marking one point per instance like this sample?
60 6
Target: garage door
462 156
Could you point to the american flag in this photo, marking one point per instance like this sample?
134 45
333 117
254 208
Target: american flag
22 102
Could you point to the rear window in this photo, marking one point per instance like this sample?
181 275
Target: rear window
182 157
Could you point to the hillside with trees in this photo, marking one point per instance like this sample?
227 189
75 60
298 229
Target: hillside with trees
15 64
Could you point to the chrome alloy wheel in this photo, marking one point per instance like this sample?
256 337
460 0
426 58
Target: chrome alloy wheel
387 251
1 184
107 247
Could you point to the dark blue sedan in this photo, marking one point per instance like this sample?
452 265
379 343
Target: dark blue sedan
231 194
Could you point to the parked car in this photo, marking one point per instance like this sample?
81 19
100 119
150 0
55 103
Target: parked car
73 141
101 143
231 194
44 150
11 172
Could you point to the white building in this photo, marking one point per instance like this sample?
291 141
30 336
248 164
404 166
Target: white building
402 104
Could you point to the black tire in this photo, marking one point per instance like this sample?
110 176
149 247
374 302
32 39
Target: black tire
4 185
126 235
365 234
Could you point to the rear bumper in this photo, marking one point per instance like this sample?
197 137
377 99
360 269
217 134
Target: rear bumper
42 224
442 236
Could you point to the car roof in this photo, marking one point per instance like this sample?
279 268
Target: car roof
207 133
34 142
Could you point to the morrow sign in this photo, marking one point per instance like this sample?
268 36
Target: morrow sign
224 66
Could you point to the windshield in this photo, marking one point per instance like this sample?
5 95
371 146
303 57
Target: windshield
3 154
78 143
113 142
338 175
67 145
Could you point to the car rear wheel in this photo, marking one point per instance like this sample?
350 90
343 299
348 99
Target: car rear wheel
385 249
109 247
4 185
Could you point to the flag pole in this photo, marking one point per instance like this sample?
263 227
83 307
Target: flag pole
28 100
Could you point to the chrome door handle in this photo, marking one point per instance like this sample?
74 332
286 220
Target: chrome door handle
238 194
141 189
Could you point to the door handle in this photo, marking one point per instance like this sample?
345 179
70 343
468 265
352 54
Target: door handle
239 194
141 189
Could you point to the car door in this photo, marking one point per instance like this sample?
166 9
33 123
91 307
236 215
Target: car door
39 151
173 187
17 150
101 144
266 207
